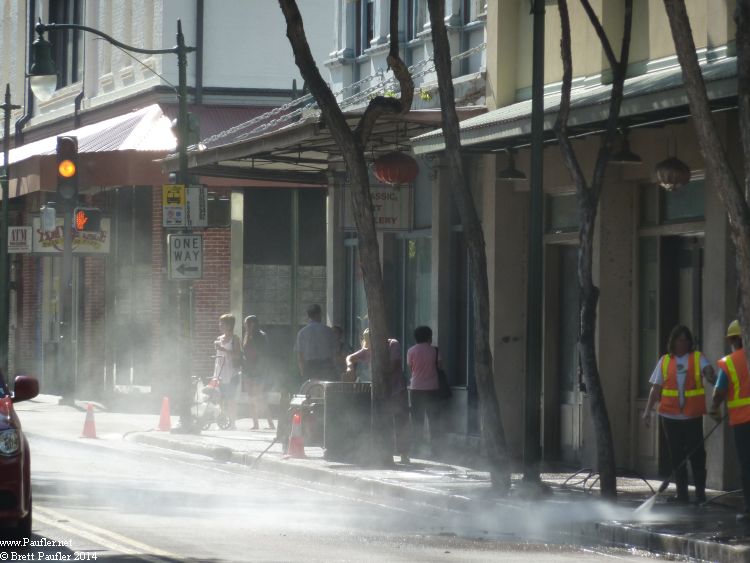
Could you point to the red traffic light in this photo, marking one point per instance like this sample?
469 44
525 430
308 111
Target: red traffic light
87 219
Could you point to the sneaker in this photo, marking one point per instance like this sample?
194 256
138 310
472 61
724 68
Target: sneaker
700 499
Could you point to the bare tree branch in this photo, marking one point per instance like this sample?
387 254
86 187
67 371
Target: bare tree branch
619 71
561 123
382 105
606 45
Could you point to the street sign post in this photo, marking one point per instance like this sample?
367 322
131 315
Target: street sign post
185 256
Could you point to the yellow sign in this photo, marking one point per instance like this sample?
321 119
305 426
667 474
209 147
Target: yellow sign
173 194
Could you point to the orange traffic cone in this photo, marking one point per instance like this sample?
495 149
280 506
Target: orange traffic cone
296 441
89 428
165 421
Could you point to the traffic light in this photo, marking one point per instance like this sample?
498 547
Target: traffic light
67 168
87 219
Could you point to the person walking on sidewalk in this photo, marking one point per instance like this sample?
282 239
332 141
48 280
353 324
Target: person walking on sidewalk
677 385
226 367
733 385
254 371
398 402
424 388
316 347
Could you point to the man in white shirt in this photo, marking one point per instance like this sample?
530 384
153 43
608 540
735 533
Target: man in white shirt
316 348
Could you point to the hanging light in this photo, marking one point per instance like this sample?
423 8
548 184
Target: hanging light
510 173
395 168
42 74
625 155
672 173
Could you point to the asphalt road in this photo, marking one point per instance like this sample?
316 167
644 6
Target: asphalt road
119 501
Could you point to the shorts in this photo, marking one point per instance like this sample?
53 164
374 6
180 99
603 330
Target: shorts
229 390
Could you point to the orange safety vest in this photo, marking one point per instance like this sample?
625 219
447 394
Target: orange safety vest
695 395
738 393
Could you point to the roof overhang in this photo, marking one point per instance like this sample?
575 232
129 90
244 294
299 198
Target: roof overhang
303 151
650 98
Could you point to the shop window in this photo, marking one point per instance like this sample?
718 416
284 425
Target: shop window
562 213
312 227
684 204
67 44
219 210
660 207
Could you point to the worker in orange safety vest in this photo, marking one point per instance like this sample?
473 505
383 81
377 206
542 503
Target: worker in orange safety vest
733 386
677 385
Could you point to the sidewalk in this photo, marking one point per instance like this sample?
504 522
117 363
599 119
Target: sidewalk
569 515
708 533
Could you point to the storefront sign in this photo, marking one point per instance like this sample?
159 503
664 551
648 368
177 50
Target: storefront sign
391 208
19 240
51 242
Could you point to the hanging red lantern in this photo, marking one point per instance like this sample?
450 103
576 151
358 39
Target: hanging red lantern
672 174
395 168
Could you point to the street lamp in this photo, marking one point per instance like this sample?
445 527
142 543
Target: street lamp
7 107
43 78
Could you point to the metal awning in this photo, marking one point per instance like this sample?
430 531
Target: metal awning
119 151
649 98
303 151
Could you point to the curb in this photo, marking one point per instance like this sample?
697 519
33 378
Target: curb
611 534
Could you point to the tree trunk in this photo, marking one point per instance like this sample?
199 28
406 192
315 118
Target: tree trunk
718 170
352 145
491 422
588 205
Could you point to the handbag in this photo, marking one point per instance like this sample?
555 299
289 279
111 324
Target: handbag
444 388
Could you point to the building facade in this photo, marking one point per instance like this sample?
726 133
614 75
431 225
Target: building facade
121 106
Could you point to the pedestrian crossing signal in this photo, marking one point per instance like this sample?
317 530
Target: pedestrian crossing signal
87 219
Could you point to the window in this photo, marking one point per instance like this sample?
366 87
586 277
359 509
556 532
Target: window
562 213
365 30
660 207
471 9
67 44
219 210
416 17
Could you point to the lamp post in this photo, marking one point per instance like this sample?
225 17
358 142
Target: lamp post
43 77
533 387
4 262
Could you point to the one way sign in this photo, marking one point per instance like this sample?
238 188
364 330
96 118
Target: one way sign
185 257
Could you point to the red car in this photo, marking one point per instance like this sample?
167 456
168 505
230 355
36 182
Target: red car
15 460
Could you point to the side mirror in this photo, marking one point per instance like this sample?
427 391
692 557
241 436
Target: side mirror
25 388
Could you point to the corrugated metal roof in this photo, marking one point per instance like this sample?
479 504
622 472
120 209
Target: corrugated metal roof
147 129
648 92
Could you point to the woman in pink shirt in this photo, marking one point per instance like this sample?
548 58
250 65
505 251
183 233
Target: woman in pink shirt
423 360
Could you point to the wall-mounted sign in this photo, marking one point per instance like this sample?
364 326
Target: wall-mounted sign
185 257
184 207
51 242
391 208
173 205
19 240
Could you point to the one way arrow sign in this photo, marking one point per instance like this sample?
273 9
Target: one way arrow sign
185 257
